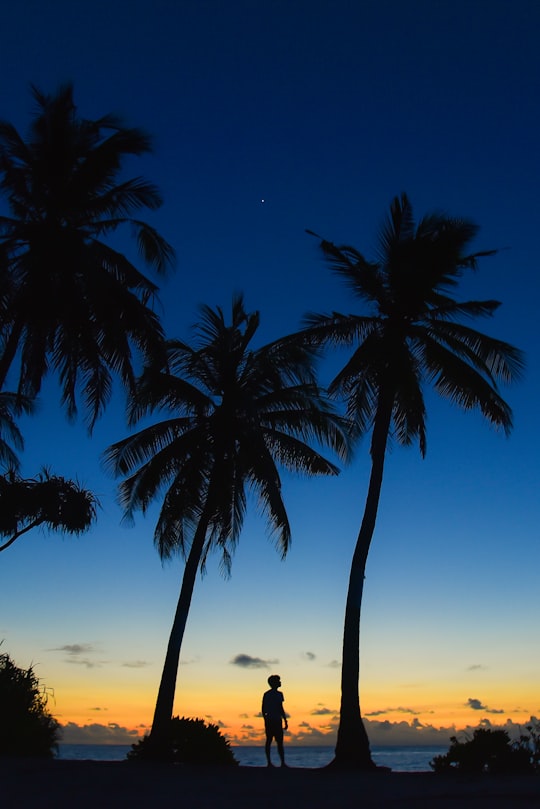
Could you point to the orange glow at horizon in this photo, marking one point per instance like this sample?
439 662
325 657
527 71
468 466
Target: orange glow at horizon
238 714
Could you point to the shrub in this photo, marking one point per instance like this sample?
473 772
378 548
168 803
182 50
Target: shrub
28 729
491 751
189 741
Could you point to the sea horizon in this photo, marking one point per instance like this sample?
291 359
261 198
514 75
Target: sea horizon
399 758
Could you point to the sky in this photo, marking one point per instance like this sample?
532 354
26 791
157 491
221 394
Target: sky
270 117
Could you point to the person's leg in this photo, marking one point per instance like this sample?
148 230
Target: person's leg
279 742
267 746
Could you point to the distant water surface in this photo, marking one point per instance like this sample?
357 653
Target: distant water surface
399 759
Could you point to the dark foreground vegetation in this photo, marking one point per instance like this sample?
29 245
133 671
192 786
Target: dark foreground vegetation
28 729
492 751
188 741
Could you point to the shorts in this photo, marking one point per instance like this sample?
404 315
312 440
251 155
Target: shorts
274 729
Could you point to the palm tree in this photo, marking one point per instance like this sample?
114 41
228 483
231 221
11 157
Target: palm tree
410 339
12 405
49 500
235 413
68 300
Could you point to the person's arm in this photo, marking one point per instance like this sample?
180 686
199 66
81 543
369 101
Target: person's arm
284 715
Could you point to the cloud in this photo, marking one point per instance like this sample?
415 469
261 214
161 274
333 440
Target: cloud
476 667
248 662
98 709
477 705
309 735
84 661
97 734
380 732
322 711
74 652
334 664
74 648
394 710
135 664
309 656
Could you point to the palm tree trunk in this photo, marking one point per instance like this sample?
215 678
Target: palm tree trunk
352 748
165 699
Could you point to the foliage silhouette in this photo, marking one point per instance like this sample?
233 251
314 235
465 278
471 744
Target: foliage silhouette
491 750
187 741
28 729
49 500
12 405
68 300
232 414
410 338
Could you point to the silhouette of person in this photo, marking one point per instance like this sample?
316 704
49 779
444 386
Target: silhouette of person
274 718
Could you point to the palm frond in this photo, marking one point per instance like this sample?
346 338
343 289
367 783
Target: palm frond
496 358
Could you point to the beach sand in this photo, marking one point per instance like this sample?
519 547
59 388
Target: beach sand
57 784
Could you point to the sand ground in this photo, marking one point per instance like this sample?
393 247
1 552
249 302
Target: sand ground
34 784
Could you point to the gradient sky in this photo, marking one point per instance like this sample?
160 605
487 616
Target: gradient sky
324 110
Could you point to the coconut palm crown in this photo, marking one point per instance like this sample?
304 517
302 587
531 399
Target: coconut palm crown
411 337
69 300
236 414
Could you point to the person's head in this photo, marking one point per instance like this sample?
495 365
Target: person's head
274 681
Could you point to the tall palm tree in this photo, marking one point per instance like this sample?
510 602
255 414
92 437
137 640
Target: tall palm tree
48 500
12 405
235 413
410 338
69 300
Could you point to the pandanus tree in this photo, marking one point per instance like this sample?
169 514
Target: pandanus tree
69 300
233 415
410 337
48 500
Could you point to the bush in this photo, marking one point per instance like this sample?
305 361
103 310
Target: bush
28 729
189 741
492 751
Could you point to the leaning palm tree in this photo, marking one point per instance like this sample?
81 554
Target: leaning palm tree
234 414
410 338
48 500
69 300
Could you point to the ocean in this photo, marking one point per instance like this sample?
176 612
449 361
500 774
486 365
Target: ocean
399 759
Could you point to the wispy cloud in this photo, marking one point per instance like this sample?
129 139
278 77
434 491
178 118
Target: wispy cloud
385 711
309 656
476 667
76 654
75 649
135 664
249 662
